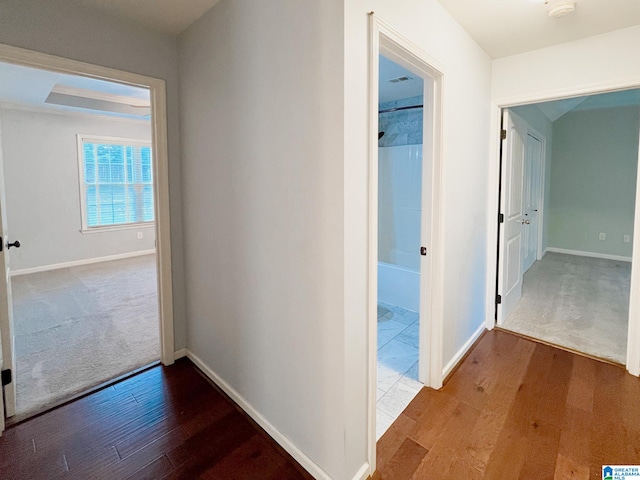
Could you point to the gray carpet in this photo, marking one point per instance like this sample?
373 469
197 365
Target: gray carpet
81 326
577 302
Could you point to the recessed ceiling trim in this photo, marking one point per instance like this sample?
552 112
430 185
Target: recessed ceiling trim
103 96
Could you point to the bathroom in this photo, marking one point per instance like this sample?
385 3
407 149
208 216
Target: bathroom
400 140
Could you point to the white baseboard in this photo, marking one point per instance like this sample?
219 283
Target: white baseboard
308 464
363 473
180 353
578 253
461 353
77 263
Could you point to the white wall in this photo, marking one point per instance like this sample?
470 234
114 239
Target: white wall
400 205
41 178
466 151
71 30
261 103
584 64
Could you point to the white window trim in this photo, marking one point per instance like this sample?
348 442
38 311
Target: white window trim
81 139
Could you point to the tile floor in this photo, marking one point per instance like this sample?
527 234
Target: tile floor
397 363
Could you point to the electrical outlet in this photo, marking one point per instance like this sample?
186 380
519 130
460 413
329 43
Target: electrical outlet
602 236
626 238
140 235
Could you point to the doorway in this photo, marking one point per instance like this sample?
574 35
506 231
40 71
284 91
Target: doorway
388 43
84 293
576 294
400 130
135 159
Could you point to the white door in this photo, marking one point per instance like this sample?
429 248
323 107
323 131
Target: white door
532 191
7 358
512 210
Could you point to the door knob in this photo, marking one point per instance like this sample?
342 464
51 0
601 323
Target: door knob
13 244
525 222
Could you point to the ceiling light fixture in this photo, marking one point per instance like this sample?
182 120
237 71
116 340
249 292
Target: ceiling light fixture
560 8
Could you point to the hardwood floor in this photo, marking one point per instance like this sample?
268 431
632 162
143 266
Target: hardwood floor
167 422
514 409
517 409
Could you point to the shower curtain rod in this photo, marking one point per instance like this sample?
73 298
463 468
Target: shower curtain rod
400 108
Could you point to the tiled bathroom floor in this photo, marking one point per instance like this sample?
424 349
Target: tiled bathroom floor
397 363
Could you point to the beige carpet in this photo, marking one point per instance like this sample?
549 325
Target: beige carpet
81 326
577 302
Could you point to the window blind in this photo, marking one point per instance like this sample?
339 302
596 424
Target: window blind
117 183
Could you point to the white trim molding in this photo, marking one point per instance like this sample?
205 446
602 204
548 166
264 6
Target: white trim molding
306 462
579 253
158 102
180 353
568 92
387 41
86 261
633 350
363 473
463 351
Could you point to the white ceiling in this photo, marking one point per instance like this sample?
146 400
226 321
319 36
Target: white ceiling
500 27
32 87
388 91
167 16
508 27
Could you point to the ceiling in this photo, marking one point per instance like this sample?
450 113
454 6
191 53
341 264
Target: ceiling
556 109
508 27
500 27
389 91
33 87
167 16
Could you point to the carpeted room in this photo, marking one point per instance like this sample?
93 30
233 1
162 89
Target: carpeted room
576 293
79 199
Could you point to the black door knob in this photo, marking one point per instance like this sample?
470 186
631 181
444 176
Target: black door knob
13 244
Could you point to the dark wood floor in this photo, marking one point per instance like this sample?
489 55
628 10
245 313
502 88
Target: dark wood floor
514 409
517 409
163 423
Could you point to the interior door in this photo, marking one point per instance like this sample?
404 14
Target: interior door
7 338
512 211
532 186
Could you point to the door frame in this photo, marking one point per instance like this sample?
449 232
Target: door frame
543 169
385 40
633 337
157 90
532 132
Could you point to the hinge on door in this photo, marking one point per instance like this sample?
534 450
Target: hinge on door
6 377
1 244
501 218
498 299
423 250
503 134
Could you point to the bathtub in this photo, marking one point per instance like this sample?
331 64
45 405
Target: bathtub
399 286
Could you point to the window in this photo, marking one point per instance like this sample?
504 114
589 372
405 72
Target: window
116 182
